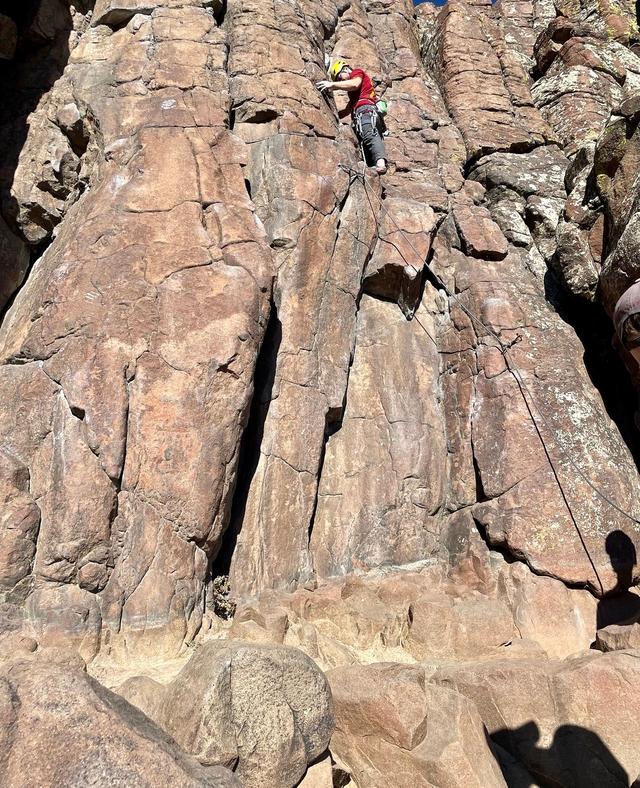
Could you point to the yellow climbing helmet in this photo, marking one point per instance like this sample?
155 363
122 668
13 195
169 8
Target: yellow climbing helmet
336 68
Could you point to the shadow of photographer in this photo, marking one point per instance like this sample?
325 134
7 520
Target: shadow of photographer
576 758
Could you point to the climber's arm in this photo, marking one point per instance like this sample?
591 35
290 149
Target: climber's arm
346 84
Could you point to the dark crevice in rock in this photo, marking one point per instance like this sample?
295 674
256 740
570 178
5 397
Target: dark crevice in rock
118 20
250 445
511 556
78 412
220 13
40 60
605 368
481 496
330 429
391 284
35 253
116 537
333 424
427 275
523 148
341 778
495 547
262 115
42 52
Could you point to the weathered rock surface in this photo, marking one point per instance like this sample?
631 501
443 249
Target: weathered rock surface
484 84
576 735
60 727
390 721
135 341
319 775
377 419
264 710
470 605
618 637
137 333
383 477
614 170
318 303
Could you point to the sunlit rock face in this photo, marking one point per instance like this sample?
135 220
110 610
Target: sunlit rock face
380 418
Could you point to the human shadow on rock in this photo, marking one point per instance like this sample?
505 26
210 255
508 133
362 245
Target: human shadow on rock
576 758
622 606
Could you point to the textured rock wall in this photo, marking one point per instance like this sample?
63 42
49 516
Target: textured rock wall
228 355
258 401
130 350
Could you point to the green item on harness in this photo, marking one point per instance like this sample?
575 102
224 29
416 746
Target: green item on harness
382 107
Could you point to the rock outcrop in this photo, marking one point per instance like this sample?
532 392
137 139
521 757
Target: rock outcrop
264 710
61 727
390 721
193 400
263 409
576 736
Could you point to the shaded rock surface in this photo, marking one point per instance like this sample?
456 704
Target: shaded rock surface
575 736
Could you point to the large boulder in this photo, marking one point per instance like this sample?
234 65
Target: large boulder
569 723
390 721
266 710
60 727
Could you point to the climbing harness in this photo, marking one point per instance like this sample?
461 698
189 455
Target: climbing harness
367 125
504 348
363 112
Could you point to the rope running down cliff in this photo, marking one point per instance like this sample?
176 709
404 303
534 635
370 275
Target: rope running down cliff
504 348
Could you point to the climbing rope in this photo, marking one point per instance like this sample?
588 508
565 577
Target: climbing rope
504 348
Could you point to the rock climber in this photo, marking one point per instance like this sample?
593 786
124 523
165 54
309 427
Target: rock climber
362 106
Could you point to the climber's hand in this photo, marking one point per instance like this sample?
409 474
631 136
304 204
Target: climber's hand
323 85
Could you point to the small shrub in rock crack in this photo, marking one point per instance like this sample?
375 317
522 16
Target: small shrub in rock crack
223 606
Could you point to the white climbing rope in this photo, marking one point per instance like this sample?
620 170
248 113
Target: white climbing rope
525 391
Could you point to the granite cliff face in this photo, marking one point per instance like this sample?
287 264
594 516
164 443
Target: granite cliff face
253 393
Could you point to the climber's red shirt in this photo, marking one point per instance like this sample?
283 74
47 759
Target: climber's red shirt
365 94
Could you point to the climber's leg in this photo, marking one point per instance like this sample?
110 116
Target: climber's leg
372 143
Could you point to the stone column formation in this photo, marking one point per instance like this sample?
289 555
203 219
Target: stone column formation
227 350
